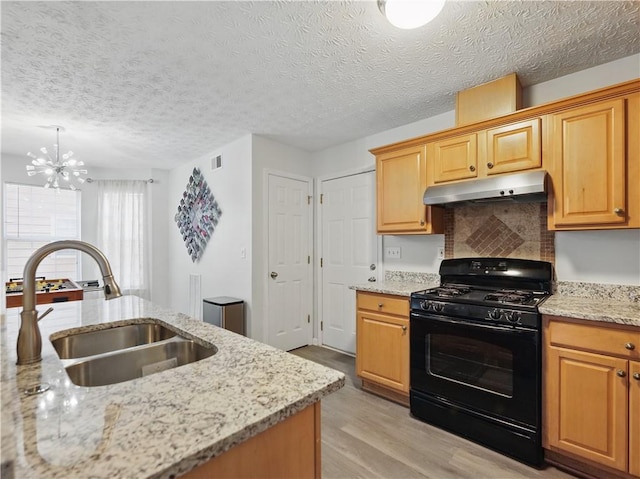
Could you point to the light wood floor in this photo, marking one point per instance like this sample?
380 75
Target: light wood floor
365 436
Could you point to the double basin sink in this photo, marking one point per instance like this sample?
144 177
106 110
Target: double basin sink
125 352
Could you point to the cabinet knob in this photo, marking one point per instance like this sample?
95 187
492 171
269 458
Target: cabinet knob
472 168
421 222
630 346
618 211
380 305
489 165
621 373
636 376
372 279
404 328
273 275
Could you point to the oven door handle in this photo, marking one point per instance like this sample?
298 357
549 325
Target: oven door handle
478 325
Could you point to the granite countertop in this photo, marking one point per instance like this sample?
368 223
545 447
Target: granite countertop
594 302
619 312
399 288
158 426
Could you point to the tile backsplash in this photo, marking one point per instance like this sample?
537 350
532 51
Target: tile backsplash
514 230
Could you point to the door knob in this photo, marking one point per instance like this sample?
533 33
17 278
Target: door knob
372 279
274 275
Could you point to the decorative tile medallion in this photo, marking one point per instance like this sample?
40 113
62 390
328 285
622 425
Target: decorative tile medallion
494 238
198 215
517 230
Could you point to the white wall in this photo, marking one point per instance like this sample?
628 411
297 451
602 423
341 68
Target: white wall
223 271
573 250
268 154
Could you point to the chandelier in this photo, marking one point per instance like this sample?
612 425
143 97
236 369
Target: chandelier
58 173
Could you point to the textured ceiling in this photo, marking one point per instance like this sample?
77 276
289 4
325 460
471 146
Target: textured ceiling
154 84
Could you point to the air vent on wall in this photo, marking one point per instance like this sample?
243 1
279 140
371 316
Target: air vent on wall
216 162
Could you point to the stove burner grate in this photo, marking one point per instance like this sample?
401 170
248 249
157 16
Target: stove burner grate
449 291
510 296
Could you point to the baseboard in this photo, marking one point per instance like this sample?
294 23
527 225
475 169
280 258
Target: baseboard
583 467
386 393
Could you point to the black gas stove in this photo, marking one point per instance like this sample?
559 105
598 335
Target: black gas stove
476 352
496 290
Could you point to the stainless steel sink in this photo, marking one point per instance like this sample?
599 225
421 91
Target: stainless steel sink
113 339
136 362
121 353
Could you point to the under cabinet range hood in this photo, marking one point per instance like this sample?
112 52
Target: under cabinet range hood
519 187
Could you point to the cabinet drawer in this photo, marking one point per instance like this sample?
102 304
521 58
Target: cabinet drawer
588 337
383 303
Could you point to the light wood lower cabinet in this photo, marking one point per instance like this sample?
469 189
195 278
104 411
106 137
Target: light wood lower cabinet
382 345
591 390
288 449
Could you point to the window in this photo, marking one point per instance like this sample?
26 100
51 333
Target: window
122 232
35 216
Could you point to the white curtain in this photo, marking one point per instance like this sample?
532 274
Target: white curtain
122 233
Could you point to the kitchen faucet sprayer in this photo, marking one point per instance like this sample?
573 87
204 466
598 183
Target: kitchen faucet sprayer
29 338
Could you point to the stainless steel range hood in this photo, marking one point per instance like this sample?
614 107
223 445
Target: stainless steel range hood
518 187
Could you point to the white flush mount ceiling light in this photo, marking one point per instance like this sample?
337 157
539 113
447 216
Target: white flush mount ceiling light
58 173
409 14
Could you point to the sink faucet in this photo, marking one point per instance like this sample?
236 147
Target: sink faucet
29 339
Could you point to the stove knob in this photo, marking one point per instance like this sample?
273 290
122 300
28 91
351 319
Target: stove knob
438 307
425 305
512 316
494 314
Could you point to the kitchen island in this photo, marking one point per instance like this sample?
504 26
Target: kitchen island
161 425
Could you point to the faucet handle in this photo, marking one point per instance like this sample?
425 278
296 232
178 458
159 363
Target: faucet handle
44 314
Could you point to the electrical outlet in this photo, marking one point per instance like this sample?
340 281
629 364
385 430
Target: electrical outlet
441 252
392 252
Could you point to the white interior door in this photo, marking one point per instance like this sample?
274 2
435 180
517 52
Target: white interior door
289 290
349 253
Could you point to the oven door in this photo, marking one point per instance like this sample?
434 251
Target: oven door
491 369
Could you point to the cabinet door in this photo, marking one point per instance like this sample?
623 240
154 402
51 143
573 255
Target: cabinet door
634 418
401 179
587 405
382 350
455 158
514 147
589 161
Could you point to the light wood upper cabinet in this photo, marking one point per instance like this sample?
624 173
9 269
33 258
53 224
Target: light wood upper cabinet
591 394
401 179
514 147
454 158
587 148
382 344
504 149
589 145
